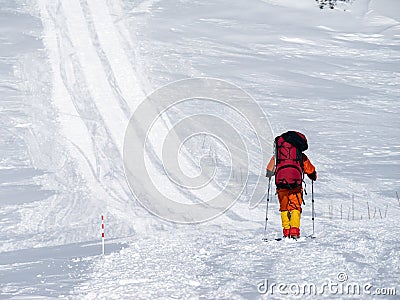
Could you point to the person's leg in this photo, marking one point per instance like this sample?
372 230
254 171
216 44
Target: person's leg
285 222
295 201
283 197
294 223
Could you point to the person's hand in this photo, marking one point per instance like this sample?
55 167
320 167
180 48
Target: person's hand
312 176
269 174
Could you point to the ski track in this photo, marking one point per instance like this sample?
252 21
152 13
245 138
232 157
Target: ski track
95 77
106 55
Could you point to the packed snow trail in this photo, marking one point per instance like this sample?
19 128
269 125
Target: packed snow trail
94 90
328 73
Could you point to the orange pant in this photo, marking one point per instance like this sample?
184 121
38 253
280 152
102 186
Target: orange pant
290 199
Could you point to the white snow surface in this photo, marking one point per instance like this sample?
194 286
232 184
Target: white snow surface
72 72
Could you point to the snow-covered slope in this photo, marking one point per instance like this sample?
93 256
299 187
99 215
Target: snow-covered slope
72 74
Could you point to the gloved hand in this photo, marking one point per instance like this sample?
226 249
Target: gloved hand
269 174
312 176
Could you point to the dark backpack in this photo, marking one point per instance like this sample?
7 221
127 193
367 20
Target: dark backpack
289 149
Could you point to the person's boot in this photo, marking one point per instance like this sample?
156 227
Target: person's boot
286 233
294 233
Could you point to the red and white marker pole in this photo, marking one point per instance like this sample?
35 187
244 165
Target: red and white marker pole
102 234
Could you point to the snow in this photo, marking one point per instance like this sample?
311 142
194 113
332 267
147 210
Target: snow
72 73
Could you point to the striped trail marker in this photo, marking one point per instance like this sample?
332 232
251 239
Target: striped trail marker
102 234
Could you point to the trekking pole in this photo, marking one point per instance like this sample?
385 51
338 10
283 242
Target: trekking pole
313 210
266 211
